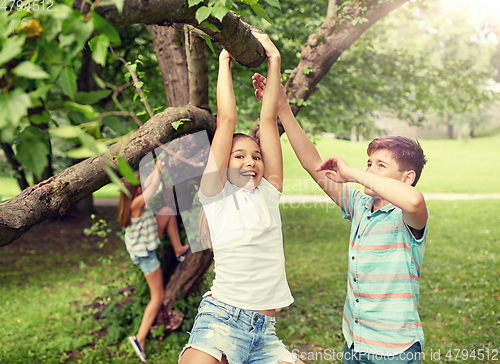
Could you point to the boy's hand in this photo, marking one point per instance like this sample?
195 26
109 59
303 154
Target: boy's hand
337 165
271 51
259 84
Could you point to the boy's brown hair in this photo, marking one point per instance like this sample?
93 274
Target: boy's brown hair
407 153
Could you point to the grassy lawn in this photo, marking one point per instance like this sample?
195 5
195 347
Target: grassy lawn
467 166
45 286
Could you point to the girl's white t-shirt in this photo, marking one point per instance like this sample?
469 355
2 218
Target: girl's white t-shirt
247 241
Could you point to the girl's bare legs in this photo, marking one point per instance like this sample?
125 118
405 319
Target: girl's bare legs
155 283
195 356
167 222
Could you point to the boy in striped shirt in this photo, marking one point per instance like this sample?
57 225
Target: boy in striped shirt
387 241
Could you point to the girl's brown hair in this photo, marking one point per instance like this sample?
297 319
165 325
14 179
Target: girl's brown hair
126 201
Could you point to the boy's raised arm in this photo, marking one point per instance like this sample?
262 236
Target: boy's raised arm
270 144
303 147
215 174
399 193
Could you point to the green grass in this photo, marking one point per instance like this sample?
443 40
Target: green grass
468 166
43 291
459 284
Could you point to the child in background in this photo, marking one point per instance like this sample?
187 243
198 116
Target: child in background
239 191
386 247
142 236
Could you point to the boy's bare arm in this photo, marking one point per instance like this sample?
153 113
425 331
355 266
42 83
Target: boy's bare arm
215 175
304 149
398 193
270 144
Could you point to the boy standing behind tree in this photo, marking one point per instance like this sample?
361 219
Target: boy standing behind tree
386 246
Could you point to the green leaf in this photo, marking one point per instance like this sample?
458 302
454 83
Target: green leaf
114 123
203 13
51 27
80 153
259 10
209 43
115 180
192 3
66 131
84 109
11 48
127 172
67 81
29 70
275 3
99 46
103 27
39 93
39 119
210 26
176 124
91 97
14 106
220 10
33 149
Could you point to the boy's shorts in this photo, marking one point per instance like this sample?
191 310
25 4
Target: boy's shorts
412 355
243 336
147 264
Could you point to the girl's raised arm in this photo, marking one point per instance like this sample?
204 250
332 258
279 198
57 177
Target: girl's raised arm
215 175
269 136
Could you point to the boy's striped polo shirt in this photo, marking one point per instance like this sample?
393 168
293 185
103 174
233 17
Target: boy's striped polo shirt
380 311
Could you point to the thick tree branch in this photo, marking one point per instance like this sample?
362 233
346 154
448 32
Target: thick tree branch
197 62
234 35
55 195
325 47
171 58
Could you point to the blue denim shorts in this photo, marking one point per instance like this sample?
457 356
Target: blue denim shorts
243 336
147 264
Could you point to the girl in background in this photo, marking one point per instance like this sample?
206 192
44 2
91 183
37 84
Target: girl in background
143 232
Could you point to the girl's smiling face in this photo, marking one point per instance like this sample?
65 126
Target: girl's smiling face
245 168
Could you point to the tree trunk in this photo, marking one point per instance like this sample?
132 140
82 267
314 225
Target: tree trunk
449 125
172 62
198 69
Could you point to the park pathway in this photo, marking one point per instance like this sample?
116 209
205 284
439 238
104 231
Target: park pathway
322 198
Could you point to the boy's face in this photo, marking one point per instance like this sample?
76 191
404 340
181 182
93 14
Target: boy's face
246 167
381 162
